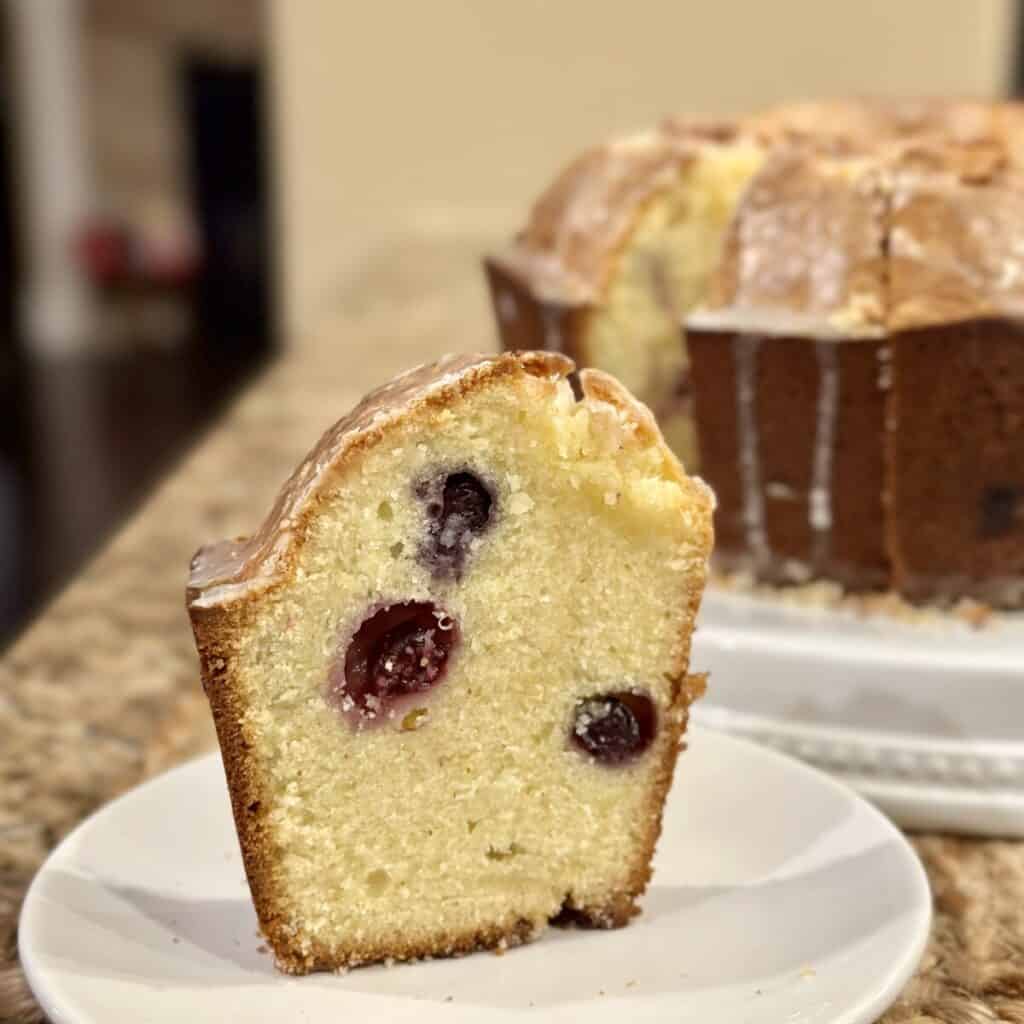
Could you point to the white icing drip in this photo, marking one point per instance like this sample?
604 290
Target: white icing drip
745 349
779 491
225 593
777 322
552 333
819 503
508 309
903 244
884 368
549 280
1010 274
795 571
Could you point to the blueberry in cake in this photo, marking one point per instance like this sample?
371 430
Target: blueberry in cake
449 672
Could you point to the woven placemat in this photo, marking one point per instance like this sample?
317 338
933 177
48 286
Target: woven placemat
102 691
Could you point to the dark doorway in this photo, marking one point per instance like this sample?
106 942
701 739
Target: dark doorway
83 439
1017 54
8 240
14 463
228 161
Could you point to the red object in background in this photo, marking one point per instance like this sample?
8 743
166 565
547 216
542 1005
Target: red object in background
104 252
114 255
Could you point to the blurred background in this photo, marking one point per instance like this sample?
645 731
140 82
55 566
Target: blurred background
186 186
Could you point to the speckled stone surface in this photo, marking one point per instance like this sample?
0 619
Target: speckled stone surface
102 690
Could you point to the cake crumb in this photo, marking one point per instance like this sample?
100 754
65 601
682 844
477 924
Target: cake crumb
520 503
807 972
975 613
415 719
632 983
828 595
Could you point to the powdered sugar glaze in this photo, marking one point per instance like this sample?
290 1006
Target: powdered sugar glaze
225 571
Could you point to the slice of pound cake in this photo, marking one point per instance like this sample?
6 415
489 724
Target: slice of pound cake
449 672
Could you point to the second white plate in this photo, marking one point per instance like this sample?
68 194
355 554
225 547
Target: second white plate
927 720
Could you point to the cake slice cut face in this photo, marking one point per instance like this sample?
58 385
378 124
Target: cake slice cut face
449 672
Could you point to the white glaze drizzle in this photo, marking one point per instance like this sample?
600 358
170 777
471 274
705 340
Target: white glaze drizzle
884 367
508 308
819 499
744 350
552 333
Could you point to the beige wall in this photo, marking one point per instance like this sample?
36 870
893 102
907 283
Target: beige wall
392 111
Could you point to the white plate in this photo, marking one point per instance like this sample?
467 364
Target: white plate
778 895
925 719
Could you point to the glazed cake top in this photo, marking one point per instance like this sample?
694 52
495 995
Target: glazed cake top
865 217
240 569
230 569
586 213
804 252
955 233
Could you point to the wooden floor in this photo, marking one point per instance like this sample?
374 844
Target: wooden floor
81 444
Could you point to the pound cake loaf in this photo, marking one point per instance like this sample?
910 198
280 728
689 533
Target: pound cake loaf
449 672
848 367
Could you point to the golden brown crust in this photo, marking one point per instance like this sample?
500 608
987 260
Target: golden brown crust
221 603
320 958
215 631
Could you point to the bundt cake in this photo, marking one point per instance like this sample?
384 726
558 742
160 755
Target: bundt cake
449 672
822 305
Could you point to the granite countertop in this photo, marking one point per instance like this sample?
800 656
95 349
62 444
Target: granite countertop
102 690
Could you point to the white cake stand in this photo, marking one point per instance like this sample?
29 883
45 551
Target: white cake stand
924 718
